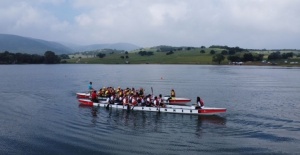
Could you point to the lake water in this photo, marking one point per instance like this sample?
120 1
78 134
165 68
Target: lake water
41 115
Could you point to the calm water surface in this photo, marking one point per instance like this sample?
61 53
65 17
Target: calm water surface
40 114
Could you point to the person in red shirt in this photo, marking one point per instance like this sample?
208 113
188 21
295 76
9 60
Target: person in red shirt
200 103
94 96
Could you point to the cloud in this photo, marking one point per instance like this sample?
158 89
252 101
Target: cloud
243 23
160 13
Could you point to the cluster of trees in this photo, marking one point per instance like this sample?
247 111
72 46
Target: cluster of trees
218 58
22 58
101 55
245 57
169 53
212 52
236 49
171 48
166 48
277 55
251 57
229 50
145 53
126 56
234 54
64 56
237 58
123 57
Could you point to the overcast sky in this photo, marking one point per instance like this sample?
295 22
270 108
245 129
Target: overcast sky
269 24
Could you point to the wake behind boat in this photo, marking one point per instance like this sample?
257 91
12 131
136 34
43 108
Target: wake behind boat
167 109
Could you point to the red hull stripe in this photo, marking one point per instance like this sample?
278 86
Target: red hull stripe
179 101
209 111
86 102
82 96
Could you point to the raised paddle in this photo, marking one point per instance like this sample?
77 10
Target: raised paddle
152 91
152 96
132 105
108 102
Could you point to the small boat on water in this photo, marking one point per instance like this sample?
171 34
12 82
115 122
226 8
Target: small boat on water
88 96
168 109
176 100
165 99
83 95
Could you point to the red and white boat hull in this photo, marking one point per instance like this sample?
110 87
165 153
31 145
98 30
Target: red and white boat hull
83 95
168 109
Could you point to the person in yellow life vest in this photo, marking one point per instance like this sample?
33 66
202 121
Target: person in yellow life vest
103 92
107 92
99 93
141 93
118 89
173 93
127 92
121 93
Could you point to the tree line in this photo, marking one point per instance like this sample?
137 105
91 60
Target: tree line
49 57
251 57
277 55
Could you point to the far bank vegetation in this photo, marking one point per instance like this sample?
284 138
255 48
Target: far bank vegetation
214 54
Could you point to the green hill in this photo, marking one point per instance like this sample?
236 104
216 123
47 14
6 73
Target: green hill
19 44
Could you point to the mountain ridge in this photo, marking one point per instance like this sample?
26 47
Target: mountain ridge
116 46
20 44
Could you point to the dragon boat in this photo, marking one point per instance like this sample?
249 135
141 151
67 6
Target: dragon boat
179 109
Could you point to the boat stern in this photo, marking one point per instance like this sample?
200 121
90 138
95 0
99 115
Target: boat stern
82 95
85 102
210 111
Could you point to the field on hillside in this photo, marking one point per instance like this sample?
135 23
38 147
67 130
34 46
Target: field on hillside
192 56
178 57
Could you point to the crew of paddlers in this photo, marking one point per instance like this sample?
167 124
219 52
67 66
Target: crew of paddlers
132 97
128 96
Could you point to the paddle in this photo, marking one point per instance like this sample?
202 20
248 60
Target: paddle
132 105
152 91
152 96
108 102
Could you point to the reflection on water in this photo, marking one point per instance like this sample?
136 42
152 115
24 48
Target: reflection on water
214 119
94 111
141 121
